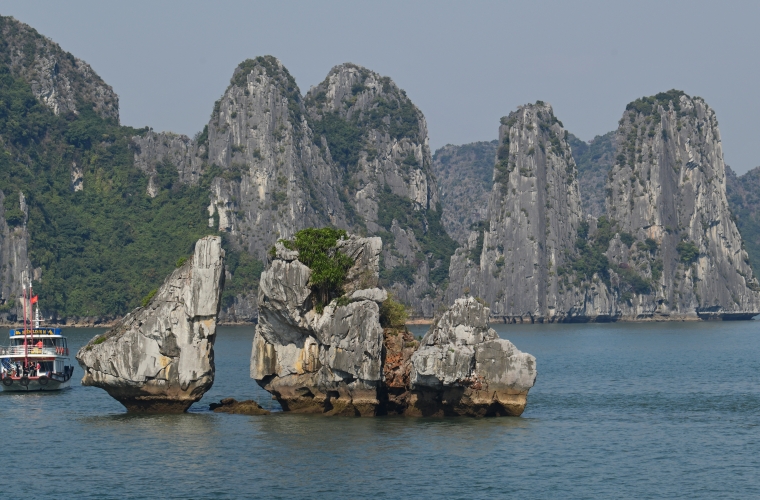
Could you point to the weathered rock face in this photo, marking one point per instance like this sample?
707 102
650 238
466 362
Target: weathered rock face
594 160
668 191
160 358
156 150
465 178
274 179
14 257
463 368
353 154
377 141
743 194
58 79
320 363
534 215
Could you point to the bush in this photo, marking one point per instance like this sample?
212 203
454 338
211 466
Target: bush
316 249
627 239
687 251
393 314
146 300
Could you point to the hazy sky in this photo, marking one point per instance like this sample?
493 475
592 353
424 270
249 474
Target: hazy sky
464 64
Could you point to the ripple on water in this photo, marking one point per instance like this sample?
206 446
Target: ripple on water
651 411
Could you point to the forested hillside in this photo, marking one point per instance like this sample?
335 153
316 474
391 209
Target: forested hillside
97 242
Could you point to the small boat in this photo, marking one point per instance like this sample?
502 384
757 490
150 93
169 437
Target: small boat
37 358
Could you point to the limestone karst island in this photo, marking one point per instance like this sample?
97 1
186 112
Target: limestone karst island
533 227
341 250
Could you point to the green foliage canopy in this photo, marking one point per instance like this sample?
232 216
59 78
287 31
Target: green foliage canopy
317 250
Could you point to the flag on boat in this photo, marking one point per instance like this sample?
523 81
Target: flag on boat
34 299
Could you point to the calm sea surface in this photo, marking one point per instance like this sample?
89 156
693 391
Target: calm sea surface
618 411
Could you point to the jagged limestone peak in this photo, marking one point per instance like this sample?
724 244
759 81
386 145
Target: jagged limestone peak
512 259
58 79
374 101
667 193
376 138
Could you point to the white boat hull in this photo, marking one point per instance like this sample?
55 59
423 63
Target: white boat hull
34 386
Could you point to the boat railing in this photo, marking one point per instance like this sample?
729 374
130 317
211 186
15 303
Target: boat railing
20 350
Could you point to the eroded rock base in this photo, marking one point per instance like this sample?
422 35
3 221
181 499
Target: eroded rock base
342 401
233 406
155 405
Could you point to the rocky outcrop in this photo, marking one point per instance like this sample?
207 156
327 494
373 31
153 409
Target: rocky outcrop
57 78
232 406
534 215
341 362
667 192
463 368
160 358
465 177
320 362
153 151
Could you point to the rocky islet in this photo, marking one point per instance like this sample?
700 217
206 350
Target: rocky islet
160 358
341 361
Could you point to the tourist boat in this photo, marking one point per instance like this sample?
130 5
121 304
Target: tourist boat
37 358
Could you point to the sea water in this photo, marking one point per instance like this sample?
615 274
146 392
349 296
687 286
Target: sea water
618 411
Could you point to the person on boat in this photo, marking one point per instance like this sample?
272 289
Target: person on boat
39 344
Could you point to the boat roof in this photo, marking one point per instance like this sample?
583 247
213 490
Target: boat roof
37 332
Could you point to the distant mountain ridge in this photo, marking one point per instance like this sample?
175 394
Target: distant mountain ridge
541 225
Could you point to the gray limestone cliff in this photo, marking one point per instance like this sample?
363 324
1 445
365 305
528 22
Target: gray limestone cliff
160 358
534 215
377 141
594 160
57 78
667 193
321 362
743 192
14 255
463 368
340 361
465 177
666 247
352 154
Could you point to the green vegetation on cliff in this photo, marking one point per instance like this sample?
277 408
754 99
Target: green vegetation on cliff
103 248
437 245
317 250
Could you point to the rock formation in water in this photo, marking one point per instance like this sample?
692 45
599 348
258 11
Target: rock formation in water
463 368
160 358
321 362
667 194
465 177
340 361
534 215
235 407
